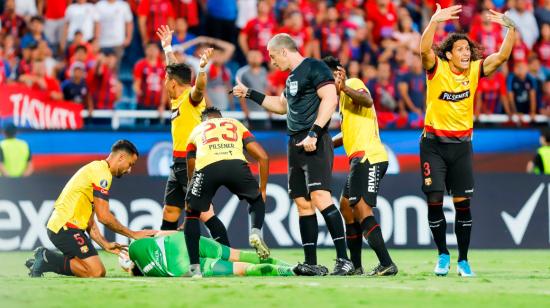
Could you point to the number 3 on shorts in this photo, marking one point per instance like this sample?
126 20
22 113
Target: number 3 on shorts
79 240
427 170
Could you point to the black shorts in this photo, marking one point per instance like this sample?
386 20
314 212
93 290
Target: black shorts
176 185
233 174
447 166
309 171
73 243
364 181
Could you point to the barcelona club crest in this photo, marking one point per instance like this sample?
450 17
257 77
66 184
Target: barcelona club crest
84 249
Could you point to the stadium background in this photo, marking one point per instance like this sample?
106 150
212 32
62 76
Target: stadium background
67 126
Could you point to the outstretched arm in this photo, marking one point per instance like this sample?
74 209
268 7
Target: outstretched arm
492 62
275 104
165 35
197 93
426 42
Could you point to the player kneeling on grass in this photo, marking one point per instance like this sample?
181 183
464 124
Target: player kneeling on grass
368 165
84 196
166 256
215 158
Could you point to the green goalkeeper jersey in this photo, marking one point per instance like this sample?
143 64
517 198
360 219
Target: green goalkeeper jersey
164 256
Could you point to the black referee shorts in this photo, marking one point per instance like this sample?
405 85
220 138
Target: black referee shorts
364 181
309 171
447 167
176 185
233 174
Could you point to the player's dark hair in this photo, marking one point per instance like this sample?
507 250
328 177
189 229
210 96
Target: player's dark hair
126 146
447 46
210 111
180 72
332 63
136 272
10 130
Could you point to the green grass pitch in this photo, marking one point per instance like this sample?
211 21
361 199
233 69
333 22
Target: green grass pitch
506 278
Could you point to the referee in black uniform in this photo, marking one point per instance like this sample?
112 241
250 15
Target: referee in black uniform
309 100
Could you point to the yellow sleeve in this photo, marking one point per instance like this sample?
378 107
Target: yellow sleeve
356 84
101 182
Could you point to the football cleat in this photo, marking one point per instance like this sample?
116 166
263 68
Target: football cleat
443 265
357 272
304 269
256 241
36 269
343 267
464 270
380 270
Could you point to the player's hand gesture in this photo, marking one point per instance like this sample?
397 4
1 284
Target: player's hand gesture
240 89
144 234
445 14
115 248
501 19
165 35
309 144
340 79
205 57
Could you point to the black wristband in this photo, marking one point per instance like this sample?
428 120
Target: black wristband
317 130
255 96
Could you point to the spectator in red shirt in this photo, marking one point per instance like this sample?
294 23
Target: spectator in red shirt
488 34
383 93
542 48
54 15
491 96
151 15
383 15
188 10
520 53
276 80
302 35
25 64
11 22
105 88
148 80
258 31
331 37
40 81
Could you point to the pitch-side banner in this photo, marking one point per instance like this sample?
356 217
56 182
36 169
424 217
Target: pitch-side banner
509 211
30 108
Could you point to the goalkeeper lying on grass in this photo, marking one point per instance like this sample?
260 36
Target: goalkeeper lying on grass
166 256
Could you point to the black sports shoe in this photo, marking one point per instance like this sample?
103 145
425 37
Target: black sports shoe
358 271
380 270
323 269
304 269
37 266
343 267
29 263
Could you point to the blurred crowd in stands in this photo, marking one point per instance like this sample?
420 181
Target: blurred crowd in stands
105 54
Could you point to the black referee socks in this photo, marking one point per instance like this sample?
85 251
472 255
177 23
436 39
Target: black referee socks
309 231
217 230
371 230
354 239
192 233
335 226
463 228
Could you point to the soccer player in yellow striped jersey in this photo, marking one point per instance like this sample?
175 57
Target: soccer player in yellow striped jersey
86 195
453 70
186 102
368 164
215 158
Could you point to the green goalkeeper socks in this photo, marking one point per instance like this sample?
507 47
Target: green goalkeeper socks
268 270
252 257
